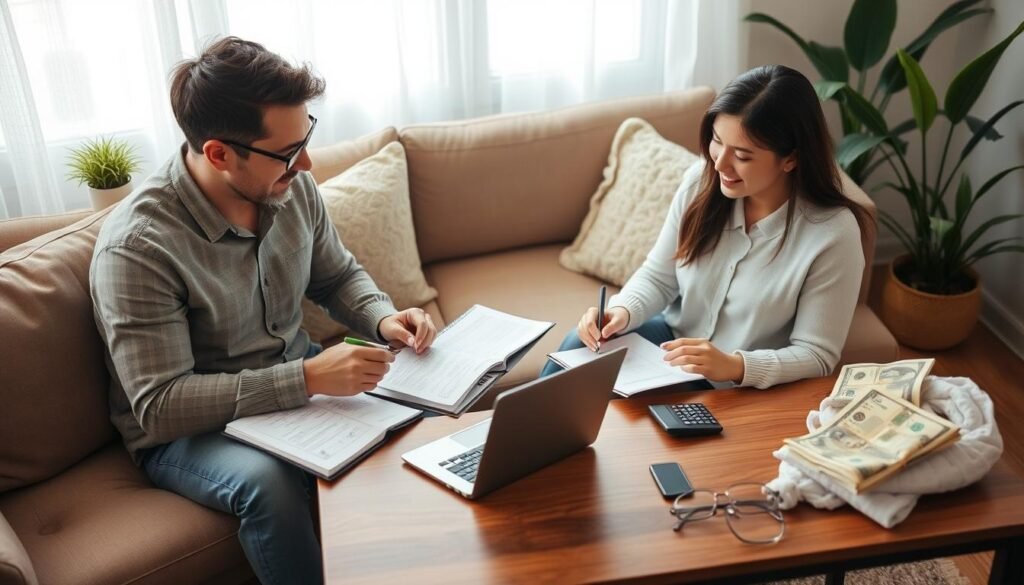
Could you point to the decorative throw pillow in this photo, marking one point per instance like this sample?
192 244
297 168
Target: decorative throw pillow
629 207
369 206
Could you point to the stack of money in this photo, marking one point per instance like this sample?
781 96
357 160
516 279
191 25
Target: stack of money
902 379
873 437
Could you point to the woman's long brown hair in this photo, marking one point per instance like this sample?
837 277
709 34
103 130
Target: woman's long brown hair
780 111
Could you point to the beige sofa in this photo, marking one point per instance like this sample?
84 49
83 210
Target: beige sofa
494 200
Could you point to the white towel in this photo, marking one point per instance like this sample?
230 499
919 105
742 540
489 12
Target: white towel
959 465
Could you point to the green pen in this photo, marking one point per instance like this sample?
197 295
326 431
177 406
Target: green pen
364 343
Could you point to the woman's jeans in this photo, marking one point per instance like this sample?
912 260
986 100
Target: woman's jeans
655 330
270 496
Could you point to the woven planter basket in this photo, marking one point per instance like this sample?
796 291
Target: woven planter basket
926 321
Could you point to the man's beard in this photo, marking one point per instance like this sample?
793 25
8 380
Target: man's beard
267 199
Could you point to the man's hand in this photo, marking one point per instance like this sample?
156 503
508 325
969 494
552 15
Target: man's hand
344 370
412 328
699 356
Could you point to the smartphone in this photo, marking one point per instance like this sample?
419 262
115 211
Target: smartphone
671 480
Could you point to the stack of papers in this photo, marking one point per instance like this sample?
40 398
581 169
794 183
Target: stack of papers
644 368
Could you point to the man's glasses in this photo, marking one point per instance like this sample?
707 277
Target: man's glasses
288 159
751 511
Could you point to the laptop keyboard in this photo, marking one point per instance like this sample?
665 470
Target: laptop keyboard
465 464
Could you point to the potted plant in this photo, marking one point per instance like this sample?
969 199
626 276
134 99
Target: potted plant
932 296
106 166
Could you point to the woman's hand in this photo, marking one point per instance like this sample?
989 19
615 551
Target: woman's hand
699 356
615 319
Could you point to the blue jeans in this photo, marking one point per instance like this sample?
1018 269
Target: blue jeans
270 496
655 330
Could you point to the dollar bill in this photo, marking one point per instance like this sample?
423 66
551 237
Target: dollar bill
874 436
902 379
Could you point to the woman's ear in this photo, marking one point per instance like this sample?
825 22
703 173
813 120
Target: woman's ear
789 163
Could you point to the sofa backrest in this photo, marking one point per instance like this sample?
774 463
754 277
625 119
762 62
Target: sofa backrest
53 380
515 180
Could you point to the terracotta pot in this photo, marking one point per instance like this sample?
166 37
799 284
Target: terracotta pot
104 198
928 321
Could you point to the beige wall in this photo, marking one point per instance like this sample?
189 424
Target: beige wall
1003 275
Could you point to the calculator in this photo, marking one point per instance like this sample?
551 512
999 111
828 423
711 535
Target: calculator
688 419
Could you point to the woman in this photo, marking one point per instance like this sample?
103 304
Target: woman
755 275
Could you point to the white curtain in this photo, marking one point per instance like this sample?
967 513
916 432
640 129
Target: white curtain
72 70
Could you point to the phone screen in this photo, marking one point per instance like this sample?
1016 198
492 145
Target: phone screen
670 479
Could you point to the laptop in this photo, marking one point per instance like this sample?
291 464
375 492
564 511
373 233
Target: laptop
534 425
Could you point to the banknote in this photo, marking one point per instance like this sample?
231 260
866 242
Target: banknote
873 436
902 379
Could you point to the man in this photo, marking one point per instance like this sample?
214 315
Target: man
197 280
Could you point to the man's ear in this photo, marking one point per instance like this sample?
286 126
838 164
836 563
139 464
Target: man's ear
216 153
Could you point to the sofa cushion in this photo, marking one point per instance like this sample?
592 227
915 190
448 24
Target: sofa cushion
103 522
527 282
369 206
517 180
15 566
330 161
53 383
22 229
629 207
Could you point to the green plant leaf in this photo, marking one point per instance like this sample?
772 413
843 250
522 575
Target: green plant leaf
940 227
922 96
976 124
829 61
892 78
991 182
827 89
979 134
864 111
103 163
868 30
963 197
967 85
854 145
993 247
980 230
903 127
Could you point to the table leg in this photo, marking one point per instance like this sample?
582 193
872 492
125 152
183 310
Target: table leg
1008 564
835 578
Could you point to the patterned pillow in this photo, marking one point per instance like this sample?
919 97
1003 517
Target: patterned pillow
369 206
629 207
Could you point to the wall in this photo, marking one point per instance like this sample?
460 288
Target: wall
1002 275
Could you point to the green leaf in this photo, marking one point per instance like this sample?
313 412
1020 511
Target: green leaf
830 64
991 182
980 231
981 131
864 111
963 197
922 96
968 84
994 247
826 89
903 127
854 145
829 61
976 124
868 30
892 78
939 227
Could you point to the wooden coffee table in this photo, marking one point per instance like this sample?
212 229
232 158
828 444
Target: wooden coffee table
597 516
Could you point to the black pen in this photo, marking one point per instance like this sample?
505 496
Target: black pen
600 314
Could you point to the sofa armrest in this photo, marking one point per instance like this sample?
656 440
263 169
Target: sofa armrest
15 566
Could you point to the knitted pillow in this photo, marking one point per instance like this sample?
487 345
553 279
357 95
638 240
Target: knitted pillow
629 207
369 206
